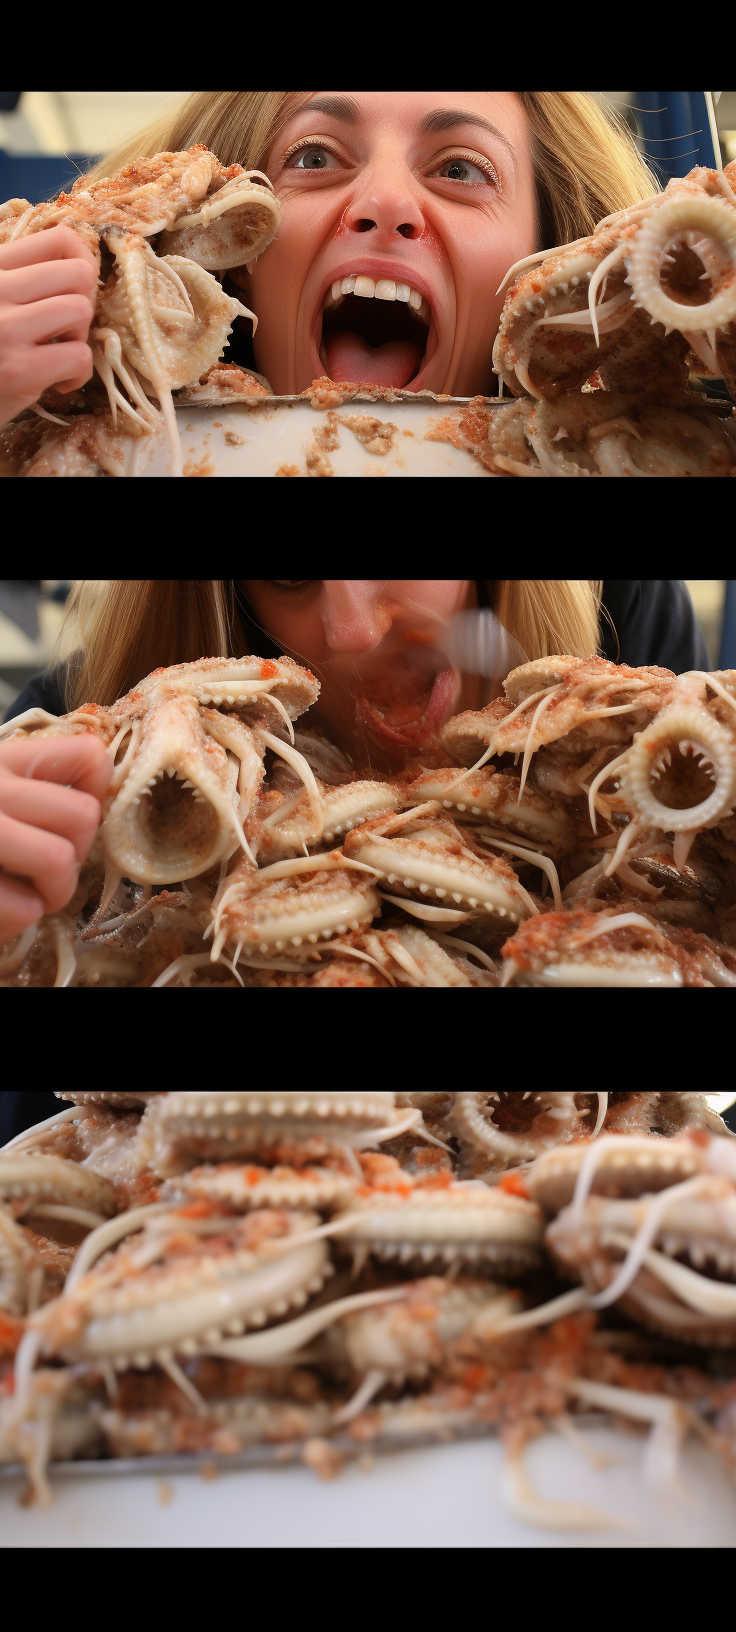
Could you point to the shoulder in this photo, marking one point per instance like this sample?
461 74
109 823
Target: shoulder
651 621
43 691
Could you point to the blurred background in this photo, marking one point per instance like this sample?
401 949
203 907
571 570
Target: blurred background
32 613
48 137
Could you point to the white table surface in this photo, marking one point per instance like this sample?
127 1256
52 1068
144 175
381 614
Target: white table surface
449 1496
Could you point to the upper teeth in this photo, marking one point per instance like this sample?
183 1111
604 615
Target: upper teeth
384 289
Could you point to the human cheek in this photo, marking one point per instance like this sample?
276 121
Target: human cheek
481 258
441 596
278 286
296 630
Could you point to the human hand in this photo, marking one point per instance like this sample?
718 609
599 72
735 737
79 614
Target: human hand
48 285
51 789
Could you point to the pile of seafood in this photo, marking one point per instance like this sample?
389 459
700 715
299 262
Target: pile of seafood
207 1272
577 831
599 341
162 230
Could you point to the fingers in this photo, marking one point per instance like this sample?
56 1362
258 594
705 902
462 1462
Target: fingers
72 815
19 907
80 762
46 826
27 373
39 282
66 317
48 860
68 371
54 244
48 288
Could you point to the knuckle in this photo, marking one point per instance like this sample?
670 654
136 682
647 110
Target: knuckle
59 855
84 271
88 809
76 353
78 359
13 374
79 308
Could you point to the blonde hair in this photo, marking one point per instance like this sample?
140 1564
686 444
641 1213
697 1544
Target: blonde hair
586 162
550 615
118 630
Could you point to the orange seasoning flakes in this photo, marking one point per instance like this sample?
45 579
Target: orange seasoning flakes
513 1185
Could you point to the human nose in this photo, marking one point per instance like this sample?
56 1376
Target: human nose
353 618
384 203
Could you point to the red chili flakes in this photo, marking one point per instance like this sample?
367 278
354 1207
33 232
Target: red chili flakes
11 1332
513 1185
440 1180
269 670
198 1209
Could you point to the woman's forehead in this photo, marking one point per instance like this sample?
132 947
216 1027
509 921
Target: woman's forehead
418 112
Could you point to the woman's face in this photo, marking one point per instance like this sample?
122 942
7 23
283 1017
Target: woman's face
387 688
402 212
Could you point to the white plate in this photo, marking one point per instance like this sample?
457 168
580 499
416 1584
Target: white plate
450 1496
270 436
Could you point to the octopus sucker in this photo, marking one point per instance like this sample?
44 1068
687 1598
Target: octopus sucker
687 749
707 228
514 1127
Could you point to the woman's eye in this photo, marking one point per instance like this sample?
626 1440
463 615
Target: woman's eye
314 158
462 170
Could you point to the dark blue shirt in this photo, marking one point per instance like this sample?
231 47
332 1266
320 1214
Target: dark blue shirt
653 622
22 1108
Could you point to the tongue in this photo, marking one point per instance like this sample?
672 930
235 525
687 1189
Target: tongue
351 359
401 724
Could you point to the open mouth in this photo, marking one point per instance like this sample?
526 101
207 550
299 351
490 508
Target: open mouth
374 331
406 706
684 775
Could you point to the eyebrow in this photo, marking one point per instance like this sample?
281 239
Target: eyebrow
447 118
346 109
338 107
